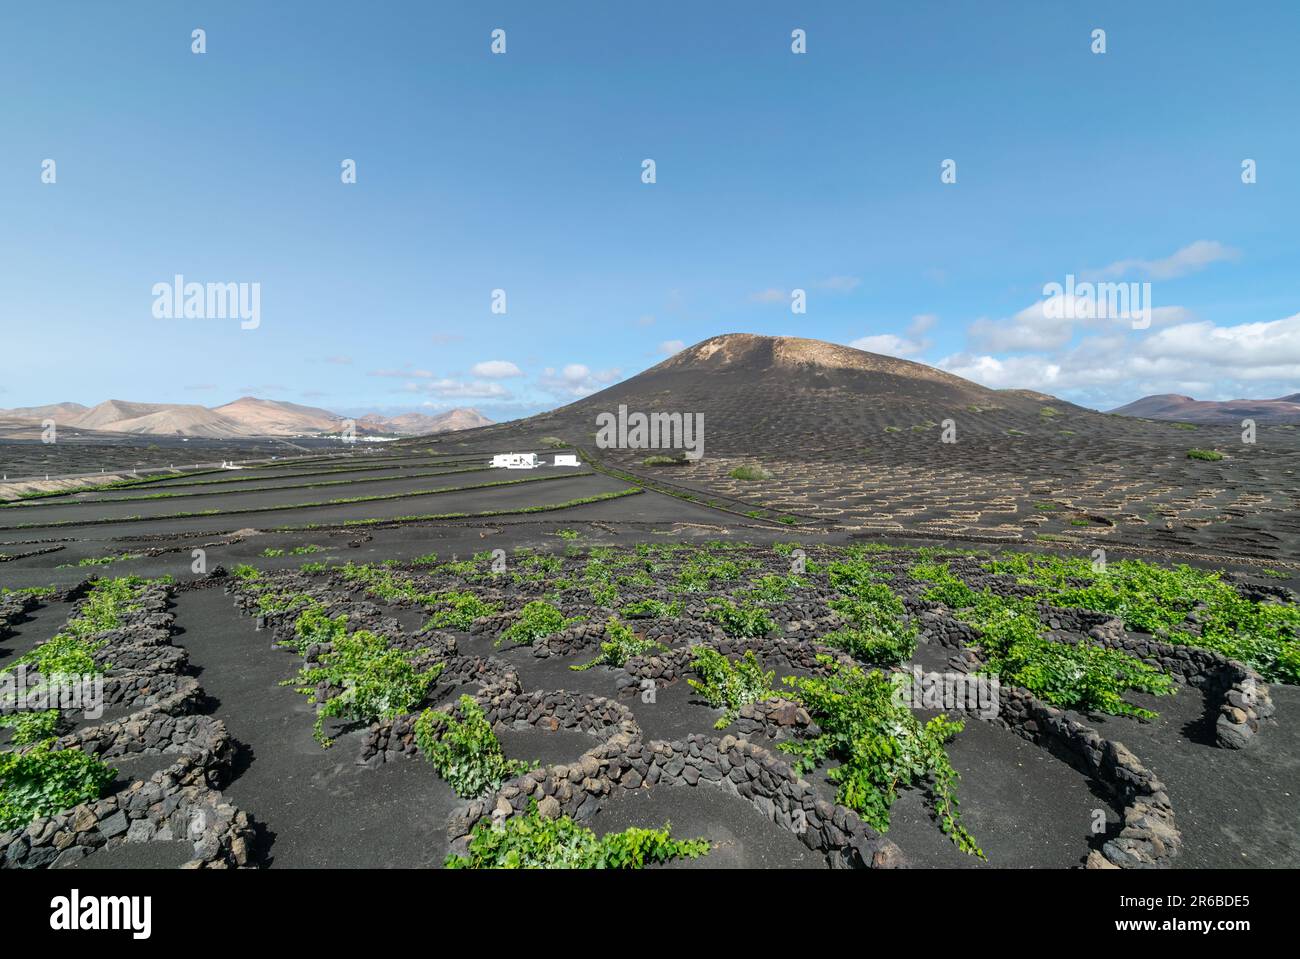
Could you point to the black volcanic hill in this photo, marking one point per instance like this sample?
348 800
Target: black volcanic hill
1173 406
780 391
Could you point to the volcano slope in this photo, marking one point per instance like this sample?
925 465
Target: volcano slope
857 442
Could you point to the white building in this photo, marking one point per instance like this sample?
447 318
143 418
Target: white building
566 459
516 461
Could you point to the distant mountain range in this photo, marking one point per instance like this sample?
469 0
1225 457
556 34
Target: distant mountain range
246 416
1172 406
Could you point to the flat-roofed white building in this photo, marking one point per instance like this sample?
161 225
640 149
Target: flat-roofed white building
516 461
566 459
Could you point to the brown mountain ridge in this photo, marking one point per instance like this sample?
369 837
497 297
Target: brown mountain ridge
247 416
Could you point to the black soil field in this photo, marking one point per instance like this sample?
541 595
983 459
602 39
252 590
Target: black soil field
319 808
88 451
1026 803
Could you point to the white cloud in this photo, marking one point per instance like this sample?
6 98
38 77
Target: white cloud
1194 357
1191 258
496 370
887 343
1046 325
771 295
669 347
1254 350
575 380
1051 323
463 389
891 344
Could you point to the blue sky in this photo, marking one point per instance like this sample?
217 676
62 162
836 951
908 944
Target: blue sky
522 172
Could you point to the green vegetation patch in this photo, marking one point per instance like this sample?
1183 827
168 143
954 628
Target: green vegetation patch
43 781
729 685
373 680
1179 604
621 645
536 620
532 841
877 631
32 727
880 745
744 620
465 751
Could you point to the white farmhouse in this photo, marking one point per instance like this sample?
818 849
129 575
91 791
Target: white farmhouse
516 461
566 459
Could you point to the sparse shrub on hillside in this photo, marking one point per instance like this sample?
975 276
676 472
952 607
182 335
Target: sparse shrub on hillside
313 626
42 781
33 726
621 644
728 684
373 680
1212 456
651 609
459 610
63 656
877 633
465 751
881 747
743 620
947 588
701 571
537 619
532 841
775 589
